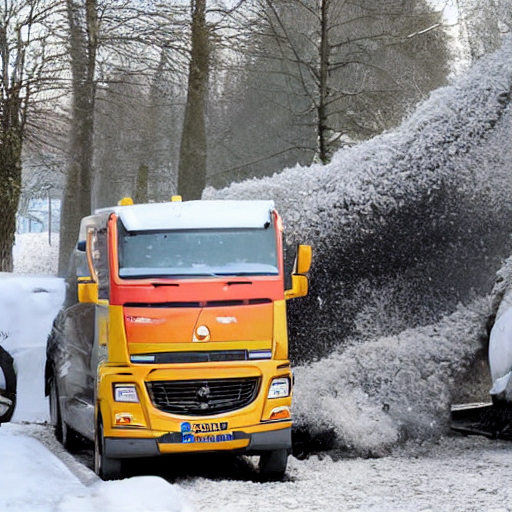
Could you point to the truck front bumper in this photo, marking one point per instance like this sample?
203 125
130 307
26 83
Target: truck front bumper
255 443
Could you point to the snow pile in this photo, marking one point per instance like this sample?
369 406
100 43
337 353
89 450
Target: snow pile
28 306
420 215
37 481
34 255
148 494
386 390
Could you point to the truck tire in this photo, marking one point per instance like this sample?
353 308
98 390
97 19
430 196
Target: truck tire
105 467
273 465
9 377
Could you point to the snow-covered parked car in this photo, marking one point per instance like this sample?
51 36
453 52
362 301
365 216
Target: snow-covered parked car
500 357
7 386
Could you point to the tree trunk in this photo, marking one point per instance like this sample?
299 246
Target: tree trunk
192 165
10 181
141 188
323 130
76 203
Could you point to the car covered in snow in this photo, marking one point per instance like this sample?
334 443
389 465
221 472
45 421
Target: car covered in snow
7 386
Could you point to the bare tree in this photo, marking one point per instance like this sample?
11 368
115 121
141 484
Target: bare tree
483 23
192 166
357 66
83 47
24 56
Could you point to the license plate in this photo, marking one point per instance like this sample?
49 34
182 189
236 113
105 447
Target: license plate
205 432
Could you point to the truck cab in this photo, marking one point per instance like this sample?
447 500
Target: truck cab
173 337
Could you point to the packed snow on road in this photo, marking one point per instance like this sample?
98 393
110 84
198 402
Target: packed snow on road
376 409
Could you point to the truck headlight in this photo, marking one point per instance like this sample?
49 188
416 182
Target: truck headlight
125 393
279 388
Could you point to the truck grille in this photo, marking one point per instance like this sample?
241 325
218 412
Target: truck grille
203 397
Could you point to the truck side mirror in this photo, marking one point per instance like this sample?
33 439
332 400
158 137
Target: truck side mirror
87 290
303 261
299 280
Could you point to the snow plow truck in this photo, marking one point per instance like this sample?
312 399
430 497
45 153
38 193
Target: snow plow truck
173 336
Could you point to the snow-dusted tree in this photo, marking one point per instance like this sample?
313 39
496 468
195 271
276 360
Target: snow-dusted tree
357 66
105 38
26 53
484 22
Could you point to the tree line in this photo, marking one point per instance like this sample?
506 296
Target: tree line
148 98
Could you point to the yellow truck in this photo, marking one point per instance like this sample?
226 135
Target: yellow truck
173 335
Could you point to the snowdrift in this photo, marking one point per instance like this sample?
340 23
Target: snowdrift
28 306
34 255
408 230
411 222
391 389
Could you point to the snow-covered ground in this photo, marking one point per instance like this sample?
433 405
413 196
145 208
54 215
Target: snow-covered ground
373 394
454 474
34 479
36 253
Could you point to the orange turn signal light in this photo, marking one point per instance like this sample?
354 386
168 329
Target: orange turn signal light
280 413
123 418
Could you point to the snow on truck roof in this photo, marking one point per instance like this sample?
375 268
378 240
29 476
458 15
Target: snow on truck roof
194 215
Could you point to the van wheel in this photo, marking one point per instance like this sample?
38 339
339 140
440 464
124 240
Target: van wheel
70 439
105 467
273 465
55 417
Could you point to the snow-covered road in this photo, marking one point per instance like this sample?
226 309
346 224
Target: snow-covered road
455 474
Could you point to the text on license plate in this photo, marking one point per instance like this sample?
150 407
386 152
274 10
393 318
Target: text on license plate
205 432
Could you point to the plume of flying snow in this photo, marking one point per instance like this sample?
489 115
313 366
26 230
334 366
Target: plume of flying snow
408 230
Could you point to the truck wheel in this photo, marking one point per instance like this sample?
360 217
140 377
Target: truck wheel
55 418
105 467
273 465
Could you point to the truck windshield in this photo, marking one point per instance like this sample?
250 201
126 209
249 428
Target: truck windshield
196 252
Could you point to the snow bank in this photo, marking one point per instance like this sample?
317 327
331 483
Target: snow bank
37 481
28 306
31 478
33 254
148 494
